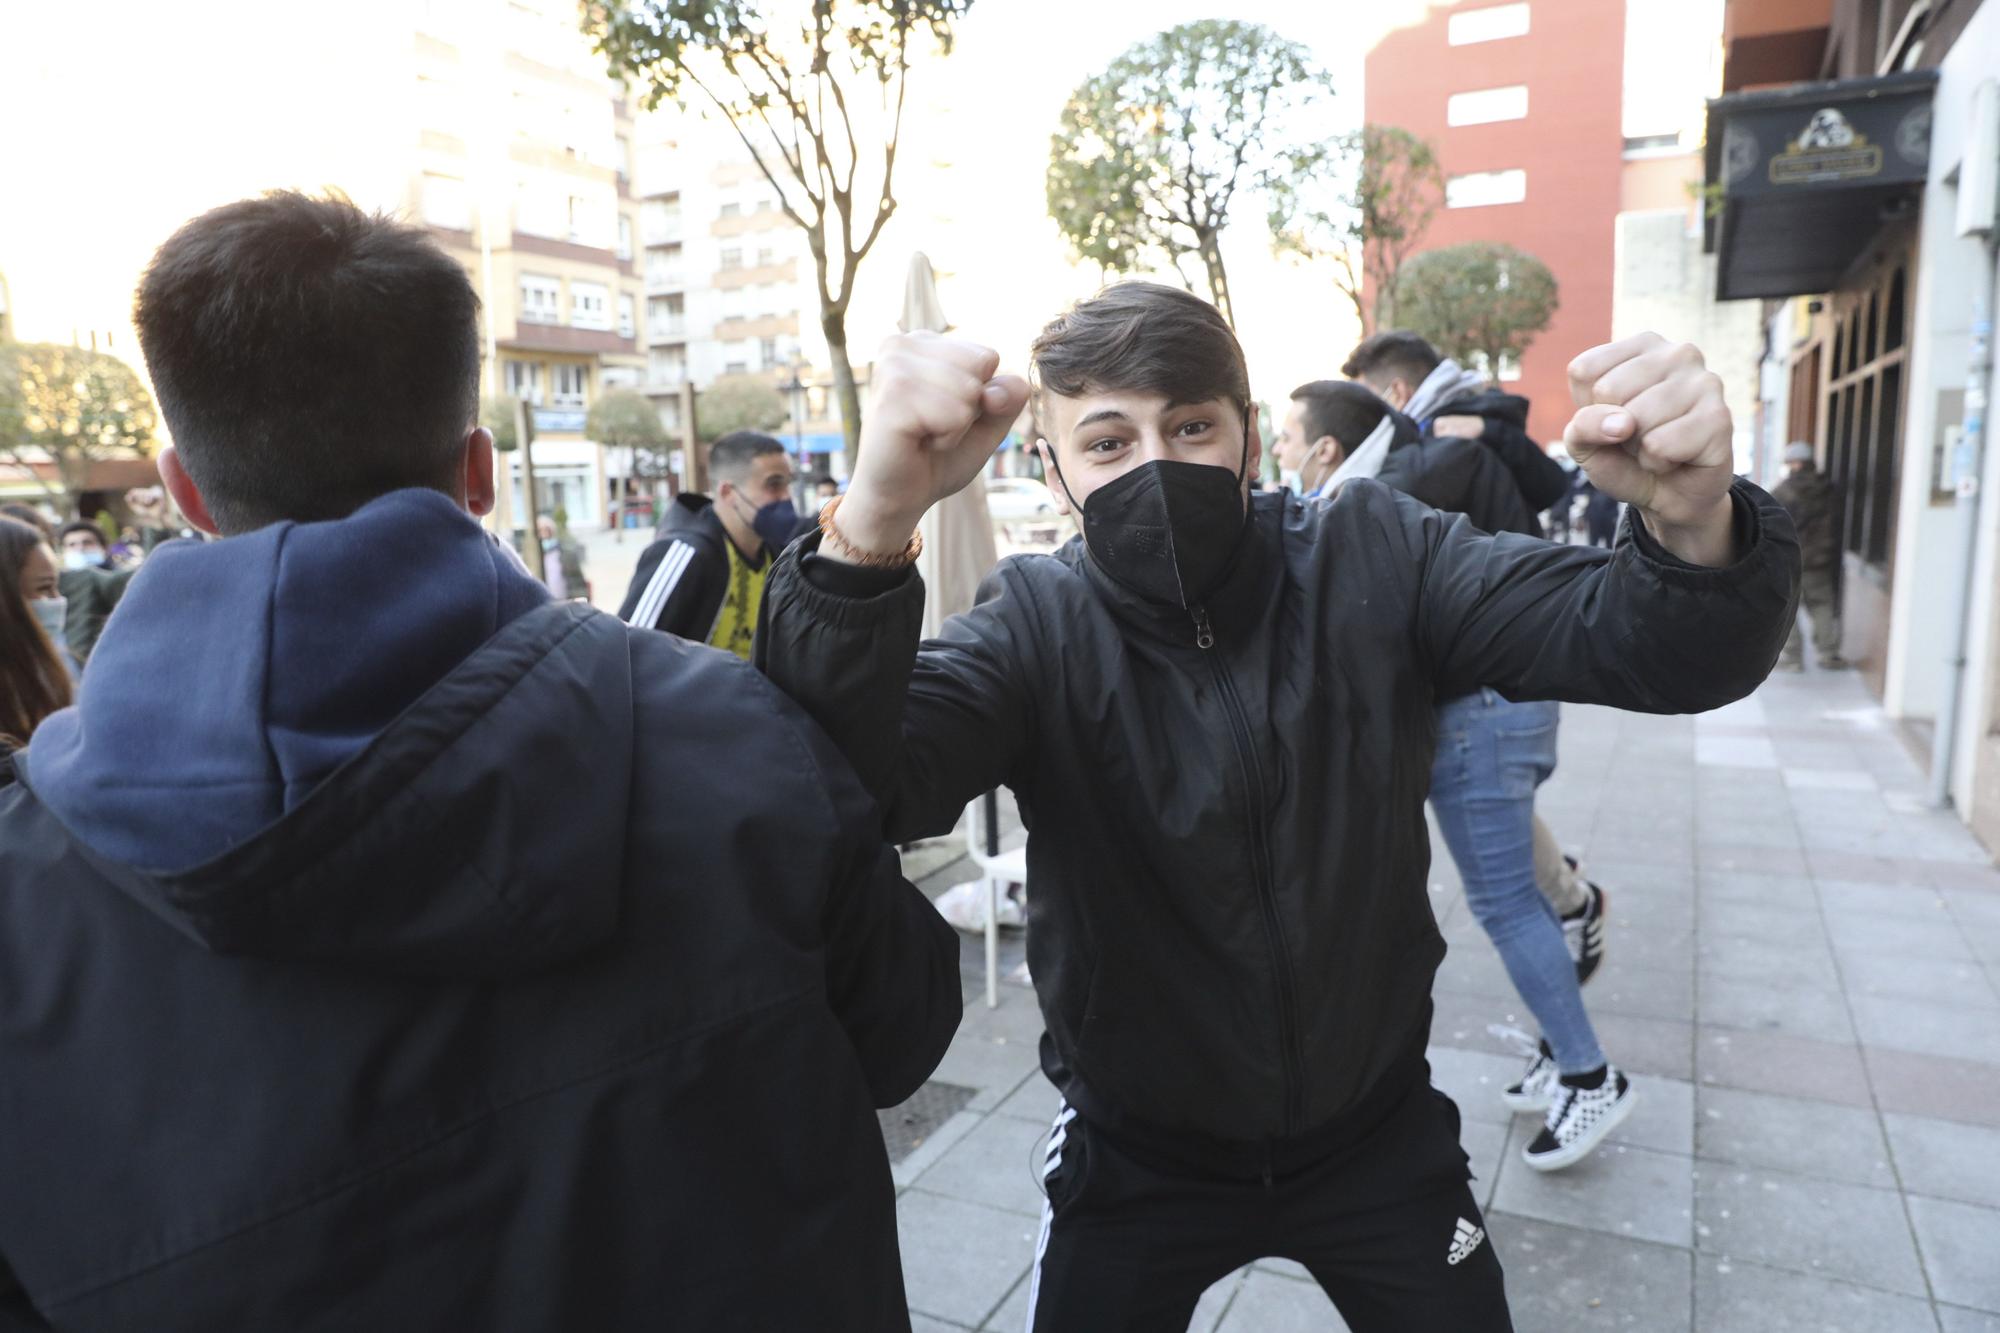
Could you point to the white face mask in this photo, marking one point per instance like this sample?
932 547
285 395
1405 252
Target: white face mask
52 612
82 559
1290 479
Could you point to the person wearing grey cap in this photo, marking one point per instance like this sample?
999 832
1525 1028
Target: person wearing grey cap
1814 504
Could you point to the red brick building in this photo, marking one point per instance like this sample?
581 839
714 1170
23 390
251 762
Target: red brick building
1525 104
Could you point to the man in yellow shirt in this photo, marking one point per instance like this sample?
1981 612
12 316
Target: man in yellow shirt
703 577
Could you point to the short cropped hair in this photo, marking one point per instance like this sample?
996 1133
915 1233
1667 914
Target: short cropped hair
32 517
730 457
309 357
80 525
1139 335
1344 410
1392 355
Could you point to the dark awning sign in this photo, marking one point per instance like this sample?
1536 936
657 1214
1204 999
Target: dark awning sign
1808 174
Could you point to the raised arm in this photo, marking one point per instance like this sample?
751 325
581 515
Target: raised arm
928 730
1690 609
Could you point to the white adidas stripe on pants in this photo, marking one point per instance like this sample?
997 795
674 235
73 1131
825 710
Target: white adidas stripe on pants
1058 1135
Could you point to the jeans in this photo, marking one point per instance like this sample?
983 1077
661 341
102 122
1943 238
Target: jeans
1491 756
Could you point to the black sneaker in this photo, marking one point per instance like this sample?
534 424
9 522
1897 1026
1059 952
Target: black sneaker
1583 930
1578 1121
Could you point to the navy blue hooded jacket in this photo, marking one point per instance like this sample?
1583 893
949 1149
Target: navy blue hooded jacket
385 946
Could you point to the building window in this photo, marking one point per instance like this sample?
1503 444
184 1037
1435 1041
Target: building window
1510 365
766 257
729 210
1487 105
588 224
540 298
1482 188
1864 412
445 203
625 236
666 317
666 365
524 380
617 377
572 379
736 368
1487 25
627 318
731 257
767 352
589 305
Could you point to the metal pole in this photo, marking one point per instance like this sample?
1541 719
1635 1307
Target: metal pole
1967 465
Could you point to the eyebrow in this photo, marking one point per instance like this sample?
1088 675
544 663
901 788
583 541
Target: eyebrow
1101 414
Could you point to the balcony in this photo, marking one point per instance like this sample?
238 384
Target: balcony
662 232
666 280
666 330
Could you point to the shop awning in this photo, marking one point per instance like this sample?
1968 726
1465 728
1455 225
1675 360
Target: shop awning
1801 178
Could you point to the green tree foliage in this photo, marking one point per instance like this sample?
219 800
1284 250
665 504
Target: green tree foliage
624 419
1361 202
796 83
1477 303
497 415
70 408
1150 155
738 402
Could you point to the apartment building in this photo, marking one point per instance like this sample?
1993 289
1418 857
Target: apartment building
524 172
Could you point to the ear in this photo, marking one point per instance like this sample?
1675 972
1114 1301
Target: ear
1329 451
187 496
1254 464
1060 491
479 492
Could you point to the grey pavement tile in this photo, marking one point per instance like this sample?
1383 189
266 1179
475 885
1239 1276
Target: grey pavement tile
1934 1085
923 1323
1829 779
1654 947
1634 908
1731 1296
1623 1191
1931 1029
1741 858
1792 1010
1474 1080
1900 900
1672 853
1761 918
1792 1134
1960 1244
1985 942
960 1259
1645 992
1743 831
1822 1227
994 1065
1036 1099
1473 968
1214 1303
1012 1316
1662 1117
1735 751
925 1155
1635 879
1953 1319
1290 1268
1462 1020
996 1164
1927 931
1485 1142
1267 1303
1786 892
1915 977
1646 1045
1946 1159
1826 864
1564 1278
1800 960
1960 875
1778 1063
1974 907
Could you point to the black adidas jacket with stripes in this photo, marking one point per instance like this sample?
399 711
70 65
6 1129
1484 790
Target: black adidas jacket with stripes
1228 920
683 576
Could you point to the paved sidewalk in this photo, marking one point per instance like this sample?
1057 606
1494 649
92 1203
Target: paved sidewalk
1804 976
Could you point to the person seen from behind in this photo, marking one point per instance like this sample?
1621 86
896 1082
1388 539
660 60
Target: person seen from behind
1813 501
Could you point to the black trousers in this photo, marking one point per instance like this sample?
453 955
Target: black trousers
1131 1238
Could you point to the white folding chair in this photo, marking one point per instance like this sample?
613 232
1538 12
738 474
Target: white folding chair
998 869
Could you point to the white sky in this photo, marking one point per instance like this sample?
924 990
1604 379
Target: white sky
130 122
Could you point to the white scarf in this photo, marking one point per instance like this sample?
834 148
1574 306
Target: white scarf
1365 461
1442 385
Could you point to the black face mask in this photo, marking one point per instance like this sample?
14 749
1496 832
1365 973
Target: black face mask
1166 530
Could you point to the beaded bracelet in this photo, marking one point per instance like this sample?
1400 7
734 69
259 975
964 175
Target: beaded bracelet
902 559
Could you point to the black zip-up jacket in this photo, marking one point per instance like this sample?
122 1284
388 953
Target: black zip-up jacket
1228 924
1541 479
562 1003
683 576
1458 476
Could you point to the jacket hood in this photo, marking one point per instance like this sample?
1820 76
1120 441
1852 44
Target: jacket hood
691 514
372 742
1488 402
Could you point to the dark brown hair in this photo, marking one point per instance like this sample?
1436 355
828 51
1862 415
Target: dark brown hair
1344 410
1396 354
1139 335
309 357
33 682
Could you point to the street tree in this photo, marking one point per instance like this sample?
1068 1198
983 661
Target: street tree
1362 203
1481 303
792 79
497 415
1150 155
623 419
69 408
738 402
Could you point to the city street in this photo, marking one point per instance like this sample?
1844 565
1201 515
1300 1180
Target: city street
1803 975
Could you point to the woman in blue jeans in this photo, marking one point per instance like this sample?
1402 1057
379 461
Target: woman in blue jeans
1491 756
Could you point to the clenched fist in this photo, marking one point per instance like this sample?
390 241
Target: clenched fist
1651 429
936 412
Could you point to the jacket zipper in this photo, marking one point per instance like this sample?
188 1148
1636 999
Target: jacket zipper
1260 865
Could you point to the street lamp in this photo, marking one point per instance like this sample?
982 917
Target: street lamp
796 387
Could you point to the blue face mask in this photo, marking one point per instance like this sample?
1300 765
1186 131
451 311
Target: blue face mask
776 523
53 613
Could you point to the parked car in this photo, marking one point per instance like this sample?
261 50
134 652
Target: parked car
1019 500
